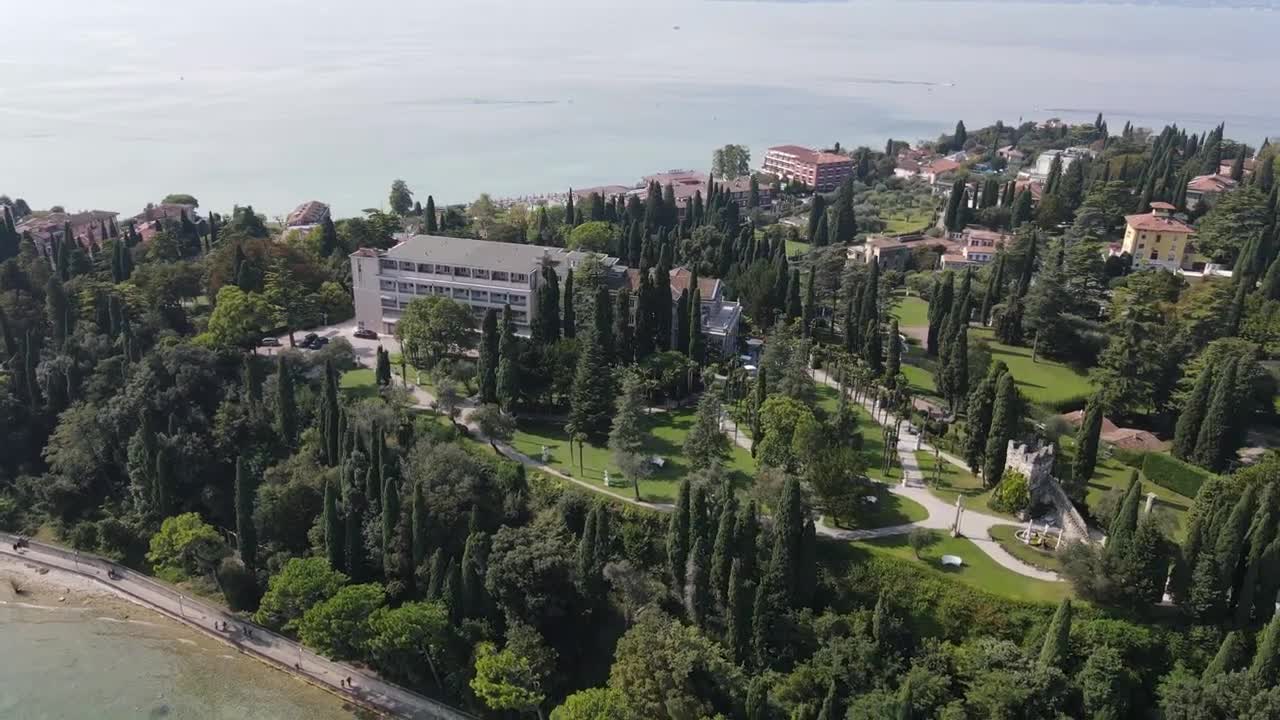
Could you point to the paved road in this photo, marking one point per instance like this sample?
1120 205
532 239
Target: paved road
366 690
975 526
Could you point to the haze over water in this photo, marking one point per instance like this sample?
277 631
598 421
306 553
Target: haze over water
112 103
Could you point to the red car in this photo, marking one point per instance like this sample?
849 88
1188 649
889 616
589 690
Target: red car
366 334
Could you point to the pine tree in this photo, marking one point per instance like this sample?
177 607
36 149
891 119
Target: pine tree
697 592
830 704
333 532
1087 438
489 357
738 614
678 536
1004 422
591 398
1055 650
1213 440
1125 524
420 520
1193 414
246 532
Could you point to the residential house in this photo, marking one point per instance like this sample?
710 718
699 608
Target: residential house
822 171
687 183
307 215
1157 239
481 274
976 246
1205 189
89 228
1011 153
1044 162
1224 167
889 251
934 171
720 317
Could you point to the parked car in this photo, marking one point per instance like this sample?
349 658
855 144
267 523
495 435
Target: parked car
269 342
366 334
319 343
309 338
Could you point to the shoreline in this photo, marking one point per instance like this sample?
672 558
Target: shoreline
27 583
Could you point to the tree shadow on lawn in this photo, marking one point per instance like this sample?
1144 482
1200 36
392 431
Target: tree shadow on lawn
1160 501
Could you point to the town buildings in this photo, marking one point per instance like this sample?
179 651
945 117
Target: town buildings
1156 239
1205 189
822 171
307 215
89 228
483 274
974 247
1044 162
687 183
889 251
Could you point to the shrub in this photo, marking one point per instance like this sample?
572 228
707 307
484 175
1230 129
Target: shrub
1069 404
1173 474
1132 458
1013 494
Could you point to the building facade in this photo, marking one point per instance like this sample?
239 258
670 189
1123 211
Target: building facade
1157 239
480 274
1205 189
687 183
822 171
720 317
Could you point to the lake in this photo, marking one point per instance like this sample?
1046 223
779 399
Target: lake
116 103
66 662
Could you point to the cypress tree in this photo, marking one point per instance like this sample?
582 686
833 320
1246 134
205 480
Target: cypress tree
329 415
246 533
951 216
644 328
722 552
872 351
489 357
794 307
758 700
473 593
624 350
333 532
1087 438
508 368
602 322
1054 651
1265 668
432 227
830 709
738 614
978 422
906 699
894 364
390 525
1270 288
1021 211
1004 422
939 309
995 287
678 536
1231 656
587 570
810 307
421 527
1193 414
1212 442
817 213
570 216
682 323
957 368
569 316
451 591
436 575
697 592
1125 524
746 533
697 341
164 481
787 530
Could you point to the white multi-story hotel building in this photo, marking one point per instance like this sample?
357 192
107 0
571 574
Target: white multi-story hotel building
479 273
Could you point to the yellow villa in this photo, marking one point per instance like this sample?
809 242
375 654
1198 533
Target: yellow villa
1157 239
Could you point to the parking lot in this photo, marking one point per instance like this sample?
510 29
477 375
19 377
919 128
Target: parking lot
365 349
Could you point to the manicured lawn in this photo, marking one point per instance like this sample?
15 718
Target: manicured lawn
956 481
795 247
978 570
911 312
1042 381
921 380
668 431
1111 475
1045 559
889 510
359 383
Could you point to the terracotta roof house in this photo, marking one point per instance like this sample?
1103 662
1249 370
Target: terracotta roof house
1157 239
978 246
1224 168
687 183
1205 189
891 251
312 212
938 168
90 228
1009 152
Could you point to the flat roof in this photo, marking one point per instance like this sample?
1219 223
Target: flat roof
469 252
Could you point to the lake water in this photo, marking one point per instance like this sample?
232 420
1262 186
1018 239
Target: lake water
60 663
114 103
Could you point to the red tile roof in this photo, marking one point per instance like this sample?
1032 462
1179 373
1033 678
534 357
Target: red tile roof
1162 206
1151 222
808 155
1211 183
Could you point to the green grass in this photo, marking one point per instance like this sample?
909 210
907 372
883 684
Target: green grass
905 222
911 312
957 482
1043 559
888 511
795 247
1042 381
872 440
979 570
1111 475
921 380
359 383
667 432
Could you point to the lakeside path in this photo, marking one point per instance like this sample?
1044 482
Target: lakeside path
280 652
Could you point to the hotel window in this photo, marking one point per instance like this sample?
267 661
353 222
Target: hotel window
519 277
387 264
1141 245
424 289
406 265
444 270
519 300
460 292
424 268
387 284
388 302
498 297
480 295
1155 255
501 276
404 304
462 272
440 290
519 316
480 274
1157 238
406 287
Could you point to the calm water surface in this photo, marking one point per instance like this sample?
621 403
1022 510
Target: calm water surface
65 663
111 103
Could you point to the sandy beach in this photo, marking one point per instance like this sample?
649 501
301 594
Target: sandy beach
28 583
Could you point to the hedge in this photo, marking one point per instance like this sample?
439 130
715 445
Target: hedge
1173 474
